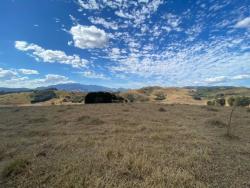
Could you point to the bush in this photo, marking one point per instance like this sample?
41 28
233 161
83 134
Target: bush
77 99
210 103
239 101
160 96
161 109
217 102
220 102
231 101
195 97
42 95
137 98
14 168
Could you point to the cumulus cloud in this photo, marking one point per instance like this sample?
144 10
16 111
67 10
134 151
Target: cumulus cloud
5 73
245 23
50 56
18 78
28 71
88 36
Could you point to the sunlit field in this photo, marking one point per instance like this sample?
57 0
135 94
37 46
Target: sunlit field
124 145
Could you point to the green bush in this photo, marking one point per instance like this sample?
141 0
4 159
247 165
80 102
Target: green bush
239 101
160 96
42 95
210 103
196 97
77 99
14 168
217 102
220 102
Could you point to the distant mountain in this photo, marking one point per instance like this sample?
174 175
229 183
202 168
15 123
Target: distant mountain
80 87
13 90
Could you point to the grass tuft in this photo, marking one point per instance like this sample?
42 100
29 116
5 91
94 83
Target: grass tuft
161 109
38 120
90 120
216 123
15 167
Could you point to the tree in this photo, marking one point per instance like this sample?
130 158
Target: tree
234 102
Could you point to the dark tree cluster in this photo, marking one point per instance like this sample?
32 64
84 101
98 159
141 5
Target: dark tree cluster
42 95
102 97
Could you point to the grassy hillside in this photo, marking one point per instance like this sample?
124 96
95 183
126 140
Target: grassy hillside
15 98
212 92
25 99
193 96
123 145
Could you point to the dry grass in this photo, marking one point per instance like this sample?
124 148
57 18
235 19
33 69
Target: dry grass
123 145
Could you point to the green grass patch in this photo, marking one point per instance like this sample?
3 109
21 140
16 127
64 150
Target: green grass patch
15 167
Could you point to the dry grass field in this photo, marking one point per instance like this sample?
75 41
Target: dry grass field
123 145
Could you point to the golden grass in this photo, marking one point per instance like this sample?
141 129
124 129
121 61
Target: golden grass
124 145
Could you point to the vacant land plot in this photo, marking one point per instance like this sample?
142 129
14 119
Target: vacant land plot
123 145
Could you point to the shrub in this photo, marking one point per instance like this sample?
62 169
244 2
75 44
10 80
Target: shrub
77 99
160 96
239 101
161 109
220 102
231 101
137 98
42 95
195 97
14 168
210 103
220 95
131 97
216 123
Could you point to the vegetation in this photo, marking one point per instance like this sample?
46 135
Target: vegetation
14 168
160 96
217 102
42 95
135 145
234 102
239 101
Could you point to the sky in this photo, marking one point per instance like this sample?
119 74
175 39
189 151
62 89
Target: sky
123 43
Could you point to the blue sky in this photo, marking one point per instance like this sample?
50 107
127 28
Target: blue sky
122 43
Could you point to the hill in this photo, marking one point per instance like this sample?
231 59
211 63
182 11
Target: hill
76 92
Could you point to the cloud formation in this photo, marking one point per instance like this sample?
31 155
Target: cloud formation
18 78
245 23
50 56
28 71
88 36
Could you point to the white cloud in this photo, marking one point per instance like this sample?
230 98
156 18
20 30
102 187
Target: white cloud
16 78
5 74
91 74
88 4
28 71
104 23
241 77
33 83
50 56
88 37
223 79
217 79
245 23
